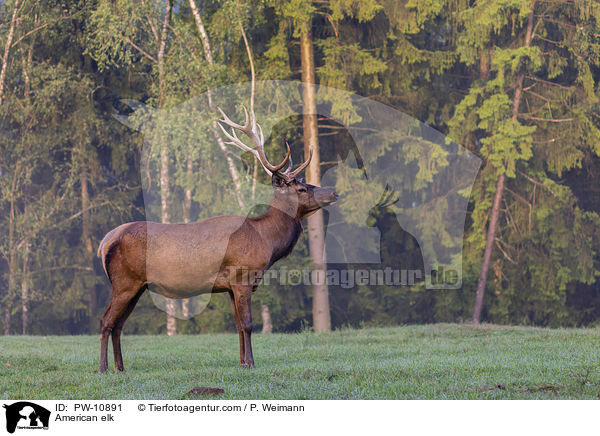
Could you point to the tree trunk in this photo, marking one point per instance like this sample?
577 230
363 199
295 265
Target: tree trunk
25 291
487 256
316 231
164 151
187 196
7 301
165 217
187 210
9 39
27 247
11 286
86 239
237 183
491 235
11 224
265 313
266 319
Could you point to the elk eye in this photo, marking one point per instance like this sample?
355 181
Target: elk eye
302 190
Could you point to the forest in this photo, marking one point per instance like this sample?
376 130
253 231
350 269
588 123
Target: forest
515 83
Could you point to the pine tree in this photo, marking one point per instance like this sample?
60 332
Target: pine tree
531 90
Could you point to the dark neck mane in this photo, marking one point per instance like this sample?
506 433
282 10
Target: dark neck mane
279 228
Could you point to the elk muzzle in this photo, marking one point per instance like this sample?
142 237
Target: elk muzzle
325 196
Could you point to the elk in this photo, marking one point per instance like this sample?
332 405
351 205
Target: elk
182 260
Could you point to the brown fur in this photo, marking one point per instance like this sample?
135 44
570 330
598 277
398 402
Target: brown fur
183 260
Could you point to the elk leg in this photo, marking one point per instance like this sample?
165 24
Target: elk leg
119 302
118 328
243 300
104 342
237 325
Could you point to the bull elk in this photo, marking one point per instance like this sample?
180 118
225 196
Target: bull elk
215 255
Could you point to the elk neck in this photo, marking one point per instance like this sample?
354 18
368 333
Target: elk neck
280 225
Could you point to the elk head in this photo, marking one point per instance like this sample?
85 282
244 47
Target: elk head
292 195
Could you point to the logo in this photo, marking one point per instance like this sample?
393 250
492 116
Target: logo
402 184
26 415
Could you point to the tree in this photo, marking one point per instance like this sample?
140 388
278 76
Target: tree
301 15
514 81
508 114
118 28
520 134
316 229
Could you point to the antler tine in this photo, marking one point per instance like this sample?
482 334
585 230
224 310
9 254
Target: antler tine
233 125
261 137
304 165
234 140
290 163
384 194
388 199
249 120
286 173
275 168
254 131
253 122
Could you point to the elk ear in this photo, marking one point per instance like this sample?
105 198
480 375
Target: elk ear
277 180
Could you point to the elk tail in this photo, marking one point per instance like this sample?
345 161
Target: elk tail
109 240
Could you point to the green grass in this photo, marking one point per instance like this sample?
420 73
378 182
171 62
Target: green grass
413 362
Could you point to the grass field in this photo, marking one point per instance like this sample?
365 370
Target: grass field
413 362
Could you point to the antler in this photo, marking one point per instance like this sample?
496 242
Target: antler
253 130
387 197
288 173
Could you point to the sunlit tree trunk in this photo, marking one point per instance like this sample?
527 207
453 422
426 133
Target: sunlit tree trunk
164 151
265 314
25 291
7 46
10 292
25 282
165 216
316 230
86 239
7 300
187 211
235 177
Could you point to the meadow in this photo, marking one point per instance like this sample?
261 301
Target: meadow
441 361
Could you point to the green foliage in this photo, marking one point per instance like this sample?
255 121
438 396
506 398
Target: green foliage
115 27
546 242
453 64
